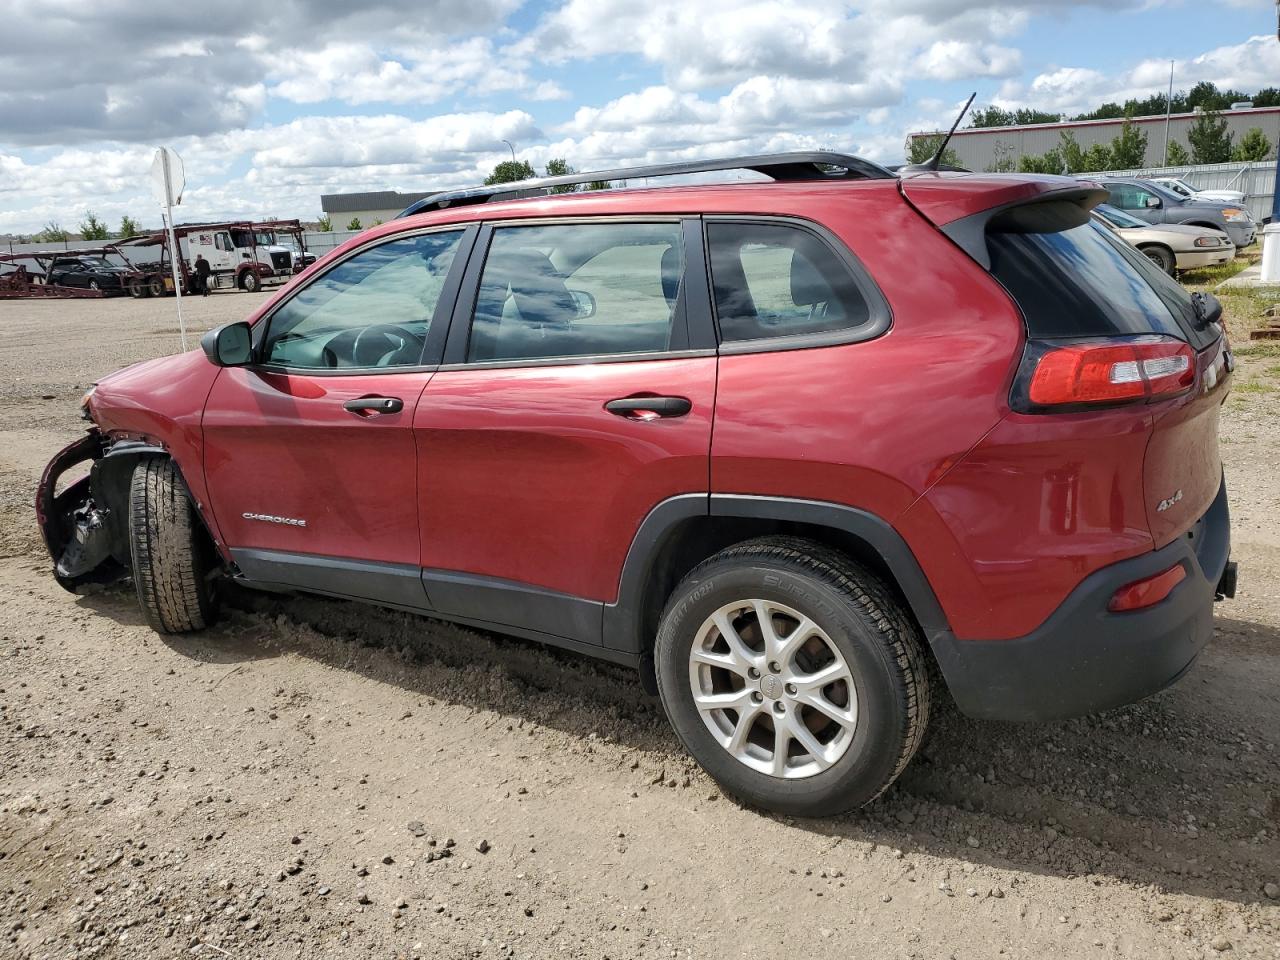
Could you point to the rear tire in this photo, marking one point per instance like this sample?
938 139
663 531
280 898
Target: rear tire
794 758
172 560
155 287
1162 257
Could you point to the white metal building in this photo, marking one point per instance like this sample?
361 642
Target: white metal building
981 148
369 208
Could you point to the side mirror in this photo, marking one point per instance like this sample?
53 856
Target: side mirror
1153 203
585 303
230 345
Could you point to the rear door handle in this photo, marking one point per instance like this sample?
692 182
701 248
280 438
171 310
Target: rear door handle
368 406
649 408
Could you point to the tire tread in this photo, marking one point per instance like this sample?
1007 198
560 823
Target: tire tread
168 574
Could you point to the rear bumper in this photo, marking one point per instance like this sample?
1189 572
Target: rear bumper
1085 658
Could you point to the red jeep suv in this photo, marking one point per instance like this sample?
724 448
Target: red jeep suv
801 449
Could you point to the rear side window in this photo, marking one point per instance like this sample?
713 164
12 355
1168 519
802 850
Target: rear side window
589 289
1083 282
776 280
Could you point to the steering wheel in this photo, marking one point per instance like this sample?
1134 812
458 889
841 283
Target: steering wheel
385 345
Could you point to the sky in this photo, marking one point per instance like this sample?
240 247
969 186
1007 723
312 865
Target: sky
271 104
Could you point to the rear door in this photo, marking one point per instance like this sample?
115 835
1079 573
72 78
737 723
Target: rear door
576 396
310 458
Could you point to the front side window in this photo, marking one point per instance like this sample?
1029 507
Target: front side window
578 290
371 310
776 280
1128 196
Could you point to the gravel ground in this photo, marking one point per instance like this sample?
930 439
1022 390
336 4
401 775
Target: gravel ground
320 779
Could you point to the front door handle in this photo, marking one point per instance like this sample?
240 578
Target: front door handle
649 408
369 406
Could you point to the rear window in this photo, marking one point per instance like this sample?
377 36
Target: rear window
1083 282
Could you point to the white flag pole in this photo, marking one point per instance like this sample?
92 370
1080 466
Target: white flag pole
163 161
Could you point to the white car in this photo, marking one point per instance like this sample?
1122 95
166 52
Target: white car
1184 189
1170 246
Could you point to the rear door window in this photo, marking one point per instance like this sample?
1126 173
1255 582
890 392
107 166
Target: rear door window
777 280
1084 282
587 289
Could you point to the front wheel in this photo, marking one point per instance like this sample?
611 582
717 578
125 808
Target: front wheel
250 282
173 563
1162 257
793 676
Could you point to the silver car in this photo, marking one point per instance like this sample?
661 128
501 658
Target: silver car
1171 247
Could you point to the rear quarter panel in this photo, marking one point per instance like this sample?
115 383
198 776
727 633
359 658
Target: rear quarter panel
874 424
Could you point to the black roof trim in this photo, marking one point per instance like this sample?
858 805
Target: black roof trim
800 166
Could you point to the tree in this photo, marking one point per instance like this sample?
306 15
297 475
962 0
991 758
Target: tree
1050 162
1254 145
324 223
52 233
510 171
1209 139
91 228
355 224
129 226
922 148
559 167
1178 156
1129 149
599 185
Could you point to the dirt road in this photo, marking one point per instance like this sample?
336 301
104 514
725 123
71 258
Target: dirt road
321 779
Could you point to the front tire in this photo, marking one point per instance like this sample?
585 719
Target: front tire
173 562
250 282
1162 257
793 676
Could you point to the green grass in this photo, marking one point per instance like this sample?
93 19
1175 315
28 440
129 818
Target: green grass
1212 276
1254 386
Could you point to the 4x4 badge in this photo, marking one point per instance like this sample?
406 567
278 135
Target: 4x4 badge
268 518
1166 504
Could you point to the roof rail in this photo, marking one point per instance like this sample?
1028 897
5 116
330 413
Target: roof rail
800 166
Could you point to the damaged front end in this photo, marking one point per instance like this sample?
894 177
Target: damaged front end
85 526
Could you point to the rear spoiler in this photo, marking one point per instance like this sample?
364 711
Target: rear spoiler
965 208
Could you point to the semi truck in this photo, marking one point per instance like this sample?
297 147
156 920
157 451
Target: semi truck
242 255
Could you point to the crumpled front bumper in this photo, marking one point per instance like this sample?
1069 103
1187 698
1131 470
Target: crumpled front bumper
82 536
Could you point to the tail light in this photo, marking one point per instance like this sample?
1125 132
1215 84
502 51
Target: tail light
1082 374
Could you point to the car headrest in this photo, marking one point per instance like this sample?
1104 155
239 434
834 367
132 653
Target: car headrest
671 275
808 286
538 289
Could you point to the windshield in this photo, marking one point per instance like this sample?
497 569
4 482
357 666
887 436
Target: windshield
266 238
1178 186
1118 218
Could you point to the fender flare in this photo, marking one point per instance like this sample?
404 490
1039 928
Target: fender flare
624 619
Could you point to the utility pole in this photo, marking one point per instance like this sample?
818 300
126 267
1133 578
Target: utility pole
1168 109
513 149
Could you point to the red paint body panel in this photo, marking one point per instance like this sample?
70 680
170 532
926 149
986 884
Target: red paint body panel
946 197
1183 466
1037 506
873 424
282 445
525 476
162 401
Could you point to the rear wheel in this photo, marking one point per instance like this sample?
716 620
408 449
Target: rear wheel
1162 257
155 287
793 676
173 563
136 288
93 285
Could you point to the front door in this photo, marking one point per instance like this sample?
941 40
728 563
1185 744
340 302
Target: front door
309 454
570 405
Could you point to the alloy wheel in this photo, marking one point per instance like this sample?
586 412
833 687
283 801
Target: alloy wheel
773 689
